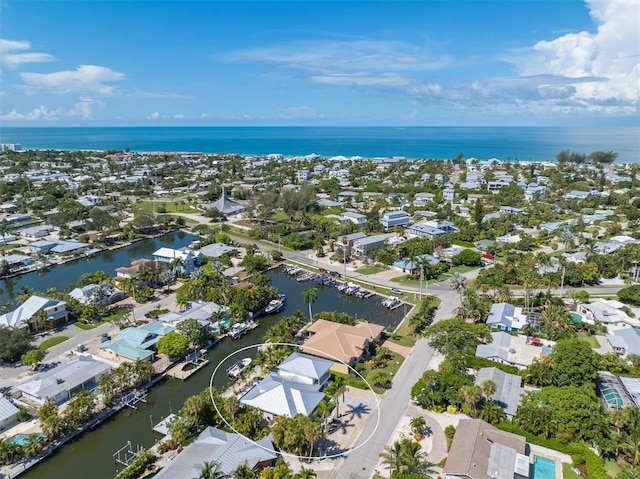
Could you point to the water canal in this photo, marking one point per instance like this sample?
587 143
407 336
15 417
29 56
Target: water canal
58 276
92 453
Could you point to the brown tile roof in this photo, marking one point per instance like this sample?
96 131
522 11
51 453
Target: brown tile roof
471 448
340 341
138 265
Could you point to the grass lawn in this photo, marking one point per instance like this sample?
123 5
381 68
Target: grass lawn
406 279
567 472
170 206
84 326
611 469
593 342
393 364
279 216
402 340
371 270
49 342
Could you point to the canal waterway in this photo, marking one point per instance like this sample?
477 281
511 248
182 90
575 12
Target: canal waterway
58 276
92 454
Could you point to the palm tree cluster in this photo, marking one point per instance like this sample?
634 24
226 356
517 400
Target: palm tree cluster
450 387
125 377
405 456
296 435
198 412
11 452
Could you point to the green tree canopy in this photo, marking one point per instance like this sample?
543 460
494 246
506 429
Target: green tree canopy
173 344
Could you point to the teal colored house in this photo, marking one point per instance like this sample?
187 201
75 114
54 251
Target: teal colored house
137 343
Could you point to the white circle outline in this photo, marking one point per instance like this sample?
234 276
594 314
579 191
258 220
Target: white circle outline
287 454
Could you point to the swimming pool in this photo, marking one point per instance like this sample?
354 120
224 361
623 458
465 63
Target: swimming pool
577 318
21 439
543 468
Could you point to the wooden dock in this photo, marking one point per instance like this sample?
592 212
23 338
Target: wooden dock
179 371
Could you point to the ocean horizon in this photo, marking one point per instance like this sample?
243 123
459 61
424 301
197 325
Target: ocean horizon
504 143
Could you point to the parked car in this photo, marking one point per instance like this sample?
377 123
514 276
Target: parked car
396 291
335 273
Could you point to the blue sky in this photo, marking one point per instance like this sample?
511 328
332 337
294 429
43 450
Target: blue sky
512 62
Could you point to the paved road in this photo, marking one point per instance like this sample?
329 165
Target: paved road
360 464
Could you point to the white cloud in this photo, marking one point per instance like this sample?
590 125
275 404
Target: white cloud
158 95
608 58
85 79
12 45
12 60
299 113
358 55
362 79
83 109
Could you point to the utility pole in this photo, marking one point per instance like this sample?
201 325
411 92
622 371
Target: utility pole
421 278
564 268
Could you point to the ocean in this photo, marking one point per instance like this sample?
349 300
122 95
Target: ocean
504 143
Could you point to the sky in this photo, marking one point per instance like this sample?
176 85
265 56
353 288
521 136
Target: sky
320 63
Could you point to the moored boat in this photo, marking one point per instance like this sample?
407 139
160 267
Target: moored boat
238 367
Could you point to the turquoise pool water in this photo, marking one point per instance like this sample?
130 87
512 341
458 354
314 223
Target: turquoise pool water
21 439
543 468
577 318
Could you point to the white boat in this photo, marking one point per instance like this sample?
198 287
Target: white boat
237 330
275 305
238 367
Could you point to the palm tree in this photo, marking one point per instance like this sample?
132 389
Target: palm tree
243 471
211 470
470 396
459 284
310 296
418 424
305 473
391 456
488 388
335 389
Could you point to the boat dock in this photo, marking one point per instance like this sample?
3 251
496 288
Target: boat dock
192 362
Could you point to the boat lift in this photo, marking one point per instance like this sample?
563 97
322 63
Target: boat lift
125 455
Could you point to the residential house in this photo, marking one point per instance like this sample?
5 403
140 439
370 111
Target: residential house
42 246
496 185
405 265
424 230
395 218
227 449
608 312
306 369
355 218
64 247
362 247
346 241
577 195
535 192
7 238
8 413
519 351
302 175
25 315
185 257
509 389
216 250
341 342
136 343
36 232
278 396
482 451
448 194
60 383
618 392
201 311
625 341
86 295
506 317
339 220
137 266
